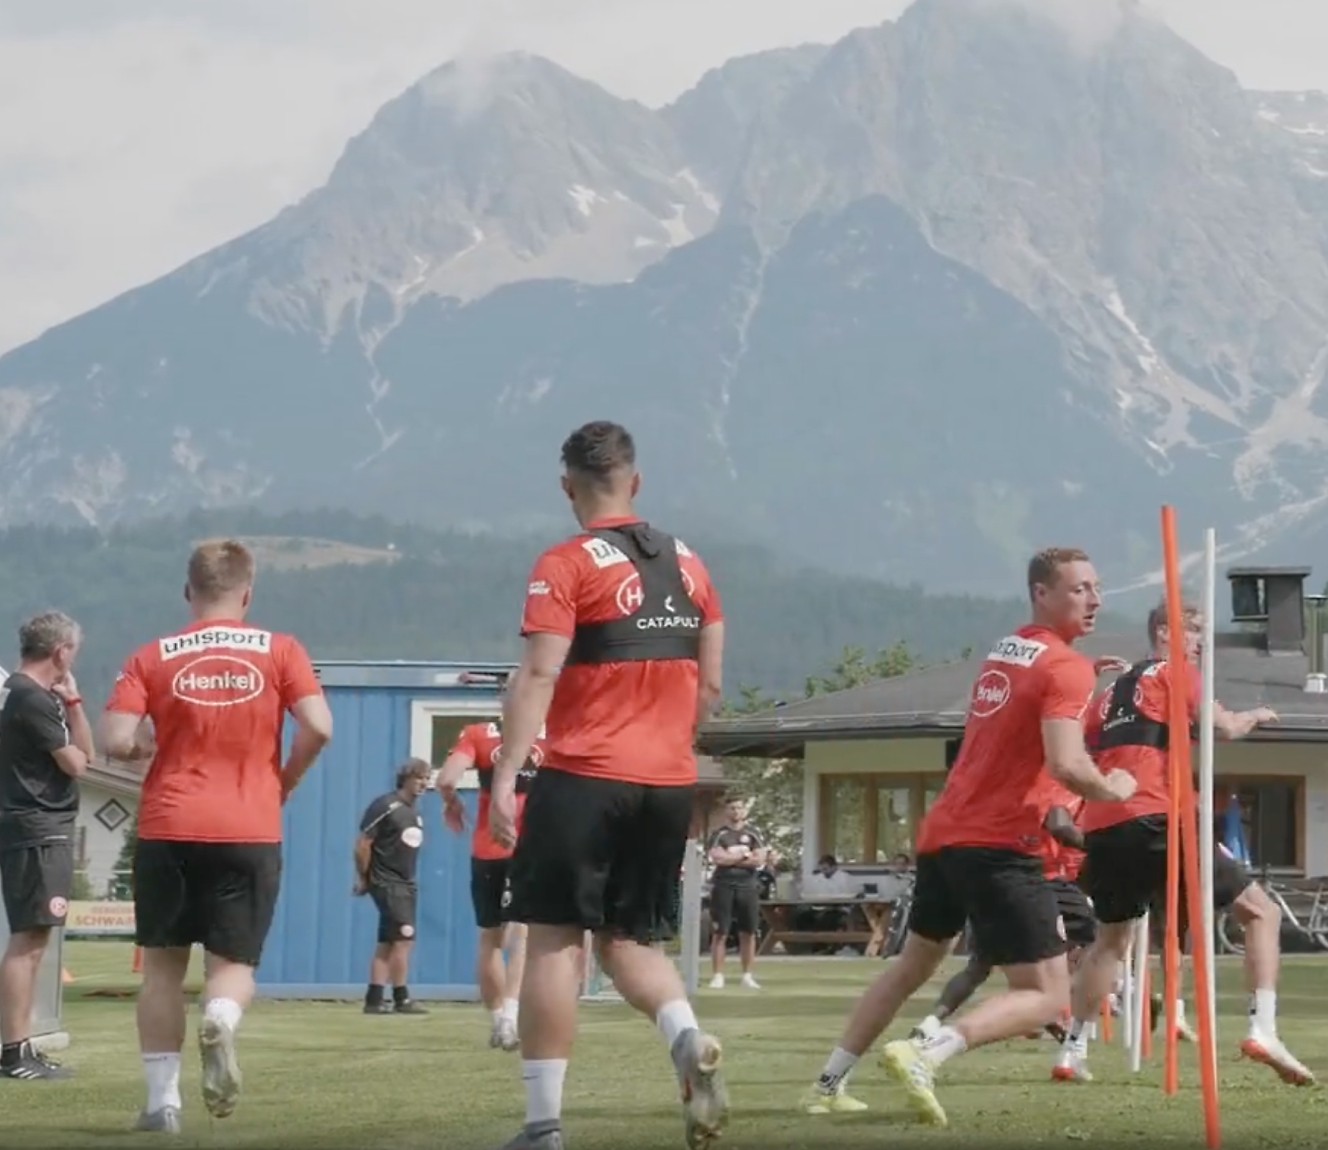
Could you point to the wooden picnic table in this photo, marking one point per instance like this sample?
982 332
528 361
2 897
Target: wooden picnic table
779 917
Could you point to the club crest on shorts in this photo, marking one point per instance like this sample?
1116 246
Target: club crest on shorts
58 907
407 931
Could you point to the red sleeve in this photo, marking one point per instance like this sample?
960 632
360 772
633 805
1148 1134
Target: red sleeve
1067 687
551 595
129 695
465 744
704 592
298 680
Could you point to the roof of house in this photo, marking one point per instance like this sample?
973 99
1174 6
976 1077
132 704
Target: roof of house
934 701
115 776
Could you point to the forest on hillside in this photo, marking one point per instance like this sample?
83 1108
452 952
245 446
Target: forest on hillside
365 588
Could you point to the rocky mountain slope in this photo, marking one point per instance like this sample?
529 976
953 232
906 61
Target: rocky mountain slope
912 304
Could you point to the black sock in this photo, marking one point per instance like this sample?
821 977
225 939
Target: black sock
400 994
12 1053
374 997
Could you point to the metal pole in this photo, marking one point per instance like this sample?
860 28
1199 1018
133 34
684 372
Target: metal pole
1207 810
693 879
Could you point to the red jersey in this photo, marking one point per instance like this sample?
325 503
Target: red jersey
217 693
482 743
1147 764
633 721
1058 860
994 795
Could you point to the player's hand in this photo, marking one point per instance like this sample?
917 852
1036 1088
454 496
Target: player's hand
145 746
66 689
454 814
1264 715
361 887
502 813
1111 665
1122 785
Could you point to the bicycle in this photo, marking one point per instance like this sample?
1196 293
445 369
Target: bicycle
894 937
1314 927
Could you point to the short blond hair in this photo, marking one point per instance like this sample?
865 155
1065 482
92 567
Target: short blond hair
220 567
1157 617
1044 568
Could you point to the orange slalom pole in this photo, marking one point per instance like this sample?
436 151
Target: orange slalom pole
1178 744
1106 1021
136 967
1194 900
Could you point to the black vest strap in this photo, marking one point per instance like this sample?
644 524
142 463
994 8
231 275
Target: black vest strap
1125 725
659 619
524 777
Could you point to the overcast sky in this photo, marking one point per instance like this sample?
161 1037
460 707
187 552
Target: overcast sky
135 134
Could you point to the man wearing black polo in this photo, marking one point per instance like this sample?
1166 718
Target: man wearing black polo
45 746
386 859
735 892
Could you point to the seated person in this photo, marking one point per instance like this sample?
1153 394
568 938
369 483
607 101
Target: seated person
830 881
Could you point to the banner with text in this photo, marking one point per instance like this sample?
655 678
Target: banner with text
108 918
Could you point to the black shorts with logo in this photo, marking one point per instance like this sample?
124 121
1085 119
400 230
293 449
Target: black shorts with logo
735 904
1013 910
396 903
222 895
491 891
1076 912
36 881
601 854
1127 870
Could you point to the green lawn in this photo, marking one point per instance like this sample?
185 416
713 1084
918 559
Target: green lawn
324 1075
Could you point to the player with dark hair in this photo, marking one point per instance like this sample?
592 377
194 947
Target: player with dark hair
978 846
738 854
501 961
387 855
45 748
623 653
207 864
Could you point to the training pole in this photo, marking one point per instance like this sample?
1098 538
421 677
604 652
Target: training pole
1182 842
1177 756
693 880
1127 1010
1137 1006
1207 805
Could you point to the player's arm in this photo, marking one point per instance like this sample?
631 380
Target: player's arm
548 622
721 855
1238 724
459 760
364 842
68 742
302 695
1059 823
710 646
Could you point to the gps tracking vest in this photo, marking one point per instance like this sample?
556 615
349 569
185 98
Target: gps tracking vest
664 624
1124 725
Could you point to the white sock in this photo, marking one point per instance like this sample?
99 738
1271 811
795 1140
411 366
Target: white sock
162 1074
544 1089
224 1010
1180 1010
837 1069
510 1009
944 1044
674 1018
1263 1012
497 1015
929 1025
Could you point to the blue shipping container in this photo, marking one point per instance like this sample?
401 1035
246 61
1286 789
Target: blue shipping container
323 937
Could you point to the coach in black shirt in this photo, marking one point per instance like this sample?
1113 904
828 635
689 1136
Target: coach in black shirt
739 854
45 746
386 857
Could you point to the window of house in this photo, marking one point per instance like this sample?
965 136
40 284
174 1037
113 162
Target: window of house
1271 815
870 818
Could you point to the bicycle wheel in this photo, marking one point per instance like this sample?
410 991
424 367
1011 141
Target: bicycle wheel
1230 934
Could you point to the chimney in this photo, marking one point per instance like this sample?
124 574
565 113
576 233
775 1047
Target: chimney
1272 599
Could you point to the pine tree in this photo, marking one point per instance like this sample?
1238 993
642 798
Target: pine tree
121 887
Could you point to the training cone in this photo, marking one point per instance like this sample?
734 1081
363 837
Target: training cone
137 967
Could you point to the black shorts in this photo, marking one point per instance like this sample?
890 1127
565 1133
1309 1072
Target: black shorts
601 855
1076 913
735 904
1013 909
221 895
1127 869
490 891
396 910
36 882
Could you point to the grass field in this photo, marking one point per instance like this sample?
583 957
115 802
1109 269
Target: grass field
324 1075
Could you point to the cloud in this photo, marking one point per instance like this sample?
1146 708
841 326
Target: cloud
136 134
